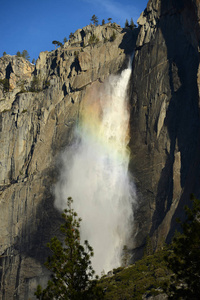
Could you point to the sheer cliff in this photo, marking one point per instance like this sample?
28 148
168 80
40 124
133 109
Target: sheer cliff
165 115
39 112
37 118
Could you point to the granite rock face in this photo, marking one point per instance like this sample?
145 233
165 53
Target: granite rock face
165 116
37 118
39 112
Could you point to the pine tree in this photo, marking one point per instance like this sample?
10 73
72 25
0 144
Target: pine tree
148 250
103 22
70 264
94 19
25 54
65 40
55 43
126 24
132 25
184 258
18 54
71 35
109 20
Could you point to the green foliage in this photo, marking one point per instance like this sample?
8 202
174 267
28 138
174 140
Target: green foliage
4 53
18 54
132 24
93 39
70 264
109 20
33 61
35 84
5 83
71 35
57 43
94 20
148 250
64 40
174 269
24 54
126 24
184 258
147 276
103 22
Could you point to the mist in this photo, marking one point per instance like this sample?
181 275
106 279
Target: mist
95 172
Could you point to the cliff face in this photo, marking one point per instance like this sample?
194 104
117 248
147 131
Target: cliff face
165 115
37 118
42 106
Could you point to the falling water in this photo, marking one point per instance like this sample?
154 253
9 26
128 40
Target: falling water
95 173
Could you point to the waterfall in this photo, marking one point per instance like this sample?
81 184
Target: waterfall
95 173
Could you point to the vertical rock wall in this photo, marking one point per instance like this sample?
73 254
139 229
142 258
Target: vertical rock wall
37 119
165 115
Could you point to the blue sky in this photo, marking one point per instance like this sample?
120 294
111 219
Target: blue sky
33 25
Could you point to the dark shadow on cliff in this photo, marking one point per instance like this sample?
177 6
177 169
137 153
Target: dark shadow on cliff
129 40
182 118
41 226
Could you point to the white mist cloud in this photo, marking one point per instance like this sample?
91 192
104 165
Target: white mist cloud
95 174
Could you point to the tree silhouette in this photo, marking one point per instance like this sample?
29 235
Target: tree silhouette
126 24
70 264
94 19
184 259
132 24
25 54
57 43
18 54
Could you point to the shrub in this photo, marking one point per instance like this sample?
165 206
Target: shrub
93 39
5 83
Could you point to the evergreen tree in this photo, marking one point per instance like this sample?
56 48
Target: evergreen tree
18 54
33 61
148 250
70 264
25 54
109 20
71 35
4 53
126 24
132 25
56 43
103 22
60 44
94 20
65 40
184 259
